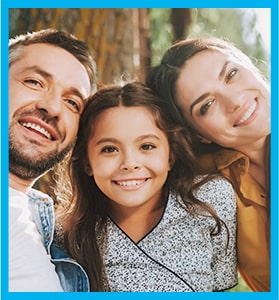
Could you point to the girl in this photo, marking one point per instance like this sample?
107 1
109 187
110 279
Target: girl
140 220
216 91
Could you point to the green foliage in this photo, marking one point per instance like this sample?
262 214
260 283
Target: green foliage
236 25
161 32
240 287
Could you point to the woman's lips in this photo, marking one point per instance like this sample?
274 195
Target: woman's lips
247 114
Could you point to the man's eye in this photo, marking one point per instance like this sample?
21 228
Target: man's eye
74 104
33 82
205 107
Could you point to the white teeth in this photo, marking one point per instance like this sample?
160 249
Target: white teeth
37 128
129 183
247 114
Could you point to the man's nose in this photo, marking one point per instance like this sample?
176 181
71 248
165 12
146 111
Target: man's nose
51 103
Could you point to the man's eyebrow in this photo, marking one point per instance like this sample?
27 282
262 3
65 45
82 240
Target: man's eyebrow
48 75
76 92
38 70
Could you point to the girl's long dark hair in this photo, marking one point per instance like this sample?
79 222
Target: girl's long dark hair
83 223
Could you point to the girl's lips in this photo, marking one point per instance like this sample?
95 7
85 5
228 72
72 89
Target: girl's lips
249 112
131 182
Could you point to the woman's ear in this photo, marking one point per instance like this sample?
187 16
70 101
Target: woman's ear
203 140
171 160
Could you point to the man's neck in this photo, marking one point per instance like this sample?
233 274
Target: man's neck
19 184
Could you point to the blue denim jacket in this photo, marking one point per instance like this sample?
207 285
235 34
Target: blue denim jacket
72 276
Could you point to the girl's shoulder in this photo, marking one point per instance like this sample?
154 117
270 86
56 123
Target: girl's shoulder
216 191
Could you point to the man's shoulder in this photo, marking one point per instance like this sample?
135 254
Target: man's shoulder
35 195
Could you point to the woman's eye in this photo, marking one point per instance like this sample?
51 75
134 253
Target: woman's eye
147 147
205 107
108 149
231 74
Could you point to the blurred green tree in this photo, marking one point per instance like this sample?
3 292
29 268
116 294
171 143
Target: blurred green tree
235 25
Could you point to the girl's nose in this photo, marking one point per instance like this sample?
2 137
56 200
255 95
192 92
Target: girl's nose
130 163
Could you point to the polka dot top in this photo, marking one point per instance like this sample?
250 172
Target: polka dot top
179 253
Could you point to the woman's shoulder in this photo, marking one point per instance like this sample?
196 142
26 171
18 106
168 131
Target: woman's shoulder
216 161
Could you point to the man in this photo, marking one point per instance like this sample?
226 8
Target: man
51 74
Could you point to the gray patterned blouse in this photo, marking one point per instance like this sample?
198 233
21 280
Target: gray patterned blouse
179 253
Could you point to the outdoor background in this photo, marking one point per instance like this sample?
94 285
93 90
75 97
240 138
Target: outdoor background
125 42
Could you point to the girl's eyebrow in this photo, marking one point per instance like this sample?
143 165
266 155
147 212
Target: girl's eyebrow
202 97
106 140
113 140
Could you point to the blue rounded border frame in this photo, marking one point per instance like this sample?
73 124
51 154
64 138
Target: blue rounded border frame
4 9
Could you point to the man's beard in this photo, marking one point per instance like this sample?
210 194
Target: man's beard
26 167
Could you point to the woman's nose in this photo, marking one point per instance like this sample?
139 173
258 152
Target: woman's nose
234 102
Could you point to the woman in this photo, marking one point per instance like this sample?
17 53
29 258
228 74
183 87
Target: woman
216 91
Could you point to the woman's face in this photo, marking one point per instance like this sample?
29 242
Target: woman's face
223 100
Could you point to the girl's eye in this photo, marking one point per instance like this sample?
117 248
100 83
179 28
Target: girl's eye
109 149
231 74
147 147
205 107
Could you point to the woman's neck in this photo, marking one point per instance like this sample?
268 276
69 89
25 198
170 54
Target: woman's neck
255 151
257 160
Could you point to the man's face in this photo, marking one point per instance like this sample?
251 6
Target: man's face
47 88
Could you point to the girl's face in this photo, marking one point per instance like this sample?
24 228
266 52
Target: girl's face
223 100
129 157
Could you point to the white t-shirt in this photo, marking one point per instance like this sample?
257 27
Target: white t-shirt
30 268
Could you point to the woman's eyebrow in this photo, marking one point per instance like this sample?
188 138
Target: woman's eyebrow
223 70
202 97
